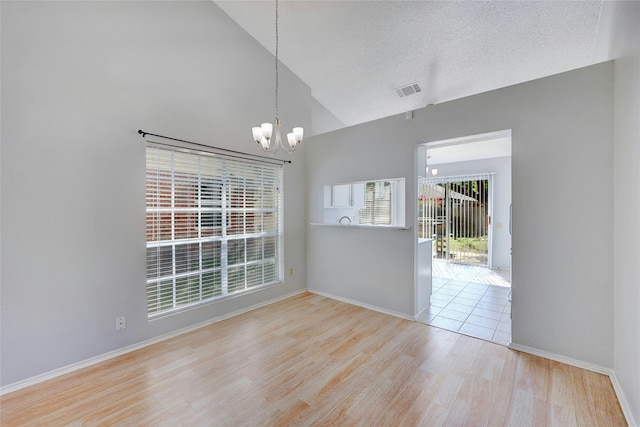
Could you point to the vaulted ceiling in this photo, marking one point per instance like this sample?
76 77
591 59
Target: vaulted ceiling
354 54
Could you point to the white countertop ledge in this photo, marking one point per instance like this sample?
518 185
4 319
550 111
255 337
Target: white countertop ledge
373 227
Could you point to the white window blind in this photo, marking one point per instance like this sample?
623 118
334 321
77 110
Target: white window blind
377 204
456 178
213 227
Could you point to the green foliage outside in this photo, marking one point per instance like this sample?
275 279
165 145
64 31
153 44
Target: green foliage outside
470 244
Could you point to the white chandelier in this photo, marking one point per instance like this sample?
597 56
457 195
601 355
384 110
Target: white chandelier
268 136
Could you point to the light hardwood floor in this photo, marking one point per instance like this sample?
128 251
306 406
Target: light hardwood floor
310 360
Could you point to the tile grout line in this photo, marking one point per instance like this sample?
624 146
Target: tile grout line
494 330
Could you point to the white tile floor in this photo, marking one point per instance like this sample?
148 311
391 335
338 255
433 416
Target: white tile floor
471 300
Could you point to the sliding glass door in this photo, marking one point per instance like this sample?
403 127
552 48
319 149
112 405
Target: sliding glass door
455 212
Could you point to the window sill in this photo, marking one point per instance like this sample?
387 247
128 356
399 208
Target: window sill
377 227
200 304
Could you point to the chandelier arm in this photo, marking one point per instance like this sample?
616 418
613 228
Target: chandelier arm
286 147
273 146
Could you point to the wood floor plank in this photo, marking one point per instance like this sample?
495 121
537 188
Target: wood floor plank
474 398
502 392
313 361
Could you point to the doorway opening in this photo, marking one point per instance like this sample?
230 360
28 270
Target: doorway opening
464 208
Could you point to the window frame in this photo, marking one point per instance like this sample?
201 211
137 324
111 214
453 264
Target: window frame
250 219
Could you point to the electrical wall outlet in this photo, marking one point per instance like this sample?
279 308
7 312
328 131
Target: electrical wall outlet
291 272
121 323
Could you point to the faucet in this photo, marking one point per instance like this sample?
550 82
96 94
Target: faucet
344 217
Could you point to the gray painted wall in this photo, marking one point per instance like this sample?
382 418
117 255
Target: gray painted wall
322 120
562 276
621 26
78 80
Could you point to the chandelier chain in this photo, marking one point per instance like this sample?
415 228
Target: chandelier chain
269 135
277 58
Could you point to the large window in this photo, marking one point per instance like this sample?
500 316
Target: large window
213 227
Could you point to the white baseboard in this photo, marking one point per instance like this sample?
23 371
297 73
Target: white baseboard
624 403
119 352
362 304
417 316
622 398
561 359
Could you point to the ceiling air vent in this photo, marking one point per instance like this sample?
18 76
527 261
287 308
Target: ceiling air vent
408 90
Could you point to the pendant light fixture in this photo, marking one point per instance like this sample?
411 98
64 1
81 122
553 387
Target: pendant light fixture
268 136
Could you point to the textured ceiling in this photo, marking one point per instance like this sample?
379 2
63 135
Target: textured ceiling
353 54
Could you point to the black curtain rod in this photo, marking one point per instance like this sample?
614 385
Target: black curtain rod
240 156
